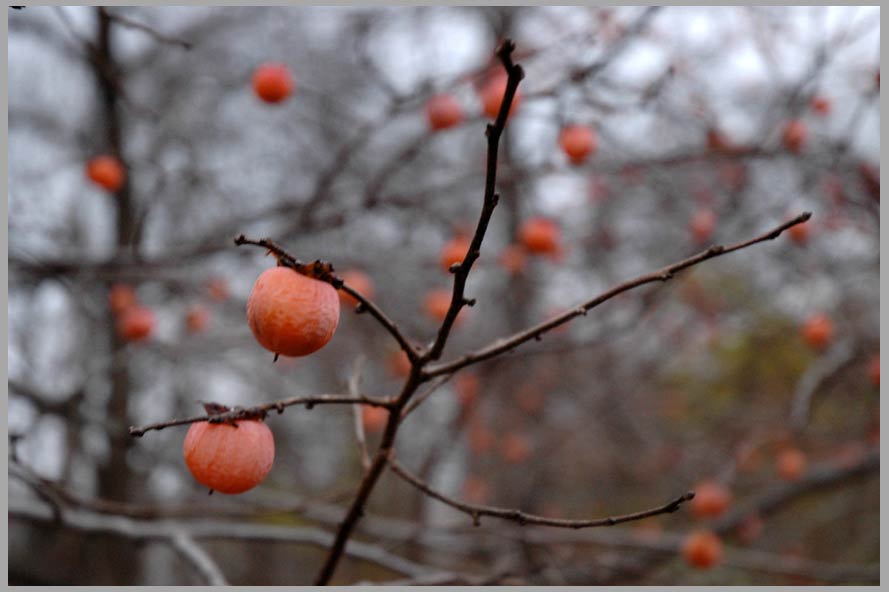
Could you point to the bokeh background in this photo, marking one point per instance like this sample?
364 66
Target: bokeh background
708 378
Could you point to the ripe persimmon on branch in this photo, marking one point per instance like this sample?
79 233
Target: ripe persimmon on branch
423 367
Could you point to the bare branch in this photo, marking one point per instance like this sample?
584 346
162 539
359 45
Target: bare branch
354 385
260 411
88 522
817 479
814 377
428 392
523 518
662 275
199 559
156 35
493 132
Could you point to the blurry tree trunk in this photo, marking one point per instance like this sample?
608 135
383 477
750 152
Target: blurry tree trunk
114 477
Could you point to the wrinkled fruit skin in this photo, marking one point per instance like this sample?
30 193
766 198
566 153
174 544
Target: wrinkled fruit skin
273 82
229 459
291 314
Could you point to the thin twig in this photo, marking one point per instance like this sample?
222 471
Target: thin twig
505 344
156 35
260 411
324 272
429 391
493 132
354 386
199 558
523 518
813 378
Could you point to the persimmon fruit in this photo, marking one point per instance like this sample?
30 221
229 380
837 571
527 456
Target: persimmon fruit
818 331
492 96
374 418
794 135
820 105
702 225
578 142
513 259
399 364
443 112
121 297
799 233
197 318
273 82
791 464
750 528
873 370
436 305
291 314
466 385
480 438
540 236
217 289
711 500
227 458
476 490
702 549
454 251
107 172
515 448
136 323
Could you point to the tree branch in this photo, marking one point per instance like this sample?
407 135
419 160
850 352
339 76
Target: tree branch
354 386
259 411
199 559
662 275
88 522
156 35
476 512
493 132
